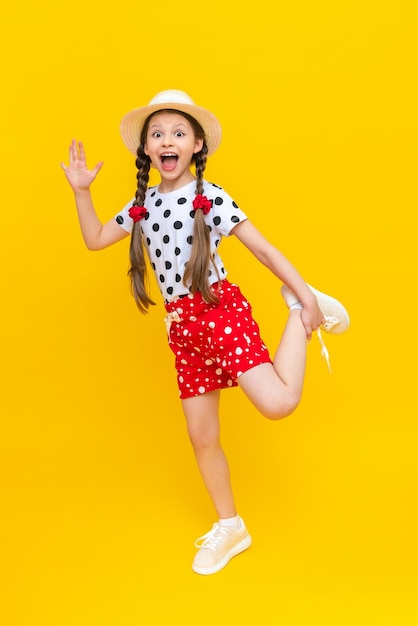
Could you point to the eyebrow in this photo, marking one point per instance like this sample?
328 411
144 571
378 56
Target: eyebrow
155 125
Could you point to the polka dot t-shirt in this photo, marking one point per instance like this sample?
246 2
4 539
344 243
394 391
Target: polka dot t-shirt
168 231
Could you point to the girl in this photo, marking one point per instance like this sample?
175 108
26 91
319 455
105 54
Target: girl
216 342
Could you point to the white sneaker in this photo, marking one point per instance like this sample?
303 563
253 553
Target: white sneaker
336 316
218 546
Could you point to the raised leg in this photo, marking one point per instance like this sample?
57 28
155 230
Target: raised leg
276 389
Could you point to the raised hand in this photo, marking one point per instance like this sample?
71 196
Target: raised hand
77 172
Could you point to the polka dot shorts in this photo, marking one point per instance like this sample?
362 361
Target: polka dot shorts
213 343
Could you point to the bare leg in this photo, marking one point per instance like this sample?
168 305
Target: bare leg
202 416
276 389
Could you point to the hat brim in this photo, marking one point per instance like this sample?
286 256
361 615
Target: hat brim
132 123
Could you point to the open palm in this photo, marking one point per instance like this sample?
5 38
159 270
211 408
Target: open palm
78 174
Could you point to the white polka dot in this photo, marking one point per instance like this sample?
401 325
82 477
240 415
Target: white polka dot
227 330
218 371
238 351
211 324
202 389
208 361
184 361
192 318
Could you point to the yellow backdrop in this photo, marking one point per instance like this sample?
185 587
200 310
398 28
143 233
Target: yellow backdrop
101 499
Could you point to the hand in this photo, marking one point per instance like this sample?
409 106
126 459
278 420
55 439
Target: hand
312 319
77 172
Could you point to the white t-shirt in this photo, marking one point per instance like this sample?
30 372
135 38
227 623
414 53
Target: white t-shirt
168 231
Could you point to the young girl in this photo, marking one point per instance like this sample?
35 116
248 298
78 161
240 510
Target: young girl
216 342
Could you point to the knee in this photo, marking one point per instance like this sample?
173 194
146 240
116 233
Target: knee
202 439
282 408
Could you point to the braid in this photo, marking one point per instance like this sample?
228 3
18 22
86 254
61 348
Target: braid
138 270
197 269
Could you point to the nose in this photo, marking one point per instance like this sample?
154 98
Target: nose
167 141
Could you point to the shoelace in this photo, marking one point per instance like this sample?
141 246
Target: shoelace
173 316
213 538
328 324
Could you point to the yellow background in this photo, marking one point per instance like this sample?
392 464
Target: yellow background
101 499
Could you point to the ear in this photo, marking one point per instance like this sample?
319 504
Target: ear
198 146
145 149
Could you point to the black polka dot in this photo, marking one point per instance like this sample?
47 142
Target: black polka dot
177 225
182 201
155 227
217 220
166 239
159 202
158 253
168 265
167 213
148 241
120 219
234 204
162 279
235 219
190 239
146 216
170 290
177 251
153 266
219 201
192 214
217 243
178 278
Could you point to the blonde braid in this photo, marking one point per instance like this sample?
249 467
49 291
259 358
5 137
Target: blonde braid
138 270
197 269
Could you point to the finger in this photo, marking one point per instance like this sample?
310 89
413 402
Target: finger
72 151
97 168
81 151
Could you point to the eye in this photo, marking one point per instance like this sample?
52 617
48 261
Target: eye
157 134
179 133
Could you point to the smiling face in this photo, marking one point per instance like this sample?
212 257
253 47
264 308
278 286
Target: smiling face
170 144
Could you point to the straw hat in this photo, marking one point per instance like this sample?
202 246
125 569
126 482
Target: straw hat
132 123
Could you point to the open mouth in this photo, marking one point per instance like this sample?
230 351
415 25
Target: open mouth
169 161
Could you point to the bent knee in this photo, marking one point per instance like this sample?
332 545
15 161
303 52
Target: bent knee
281 408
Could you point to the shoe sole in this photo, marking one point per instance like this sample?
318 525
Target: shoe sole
240 547
331 307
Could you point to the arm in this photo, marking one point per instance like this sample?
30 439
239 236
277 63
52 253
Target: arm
281 267
95 234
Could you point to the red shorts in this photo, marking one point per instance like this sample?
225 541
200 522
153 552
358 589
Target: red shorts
213 343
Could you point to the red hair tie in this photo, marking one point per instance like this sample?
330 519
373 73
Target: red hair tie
201 202
137 213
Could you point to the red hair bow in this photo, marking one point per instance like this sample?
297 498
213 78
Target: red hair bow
137 213
201 202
